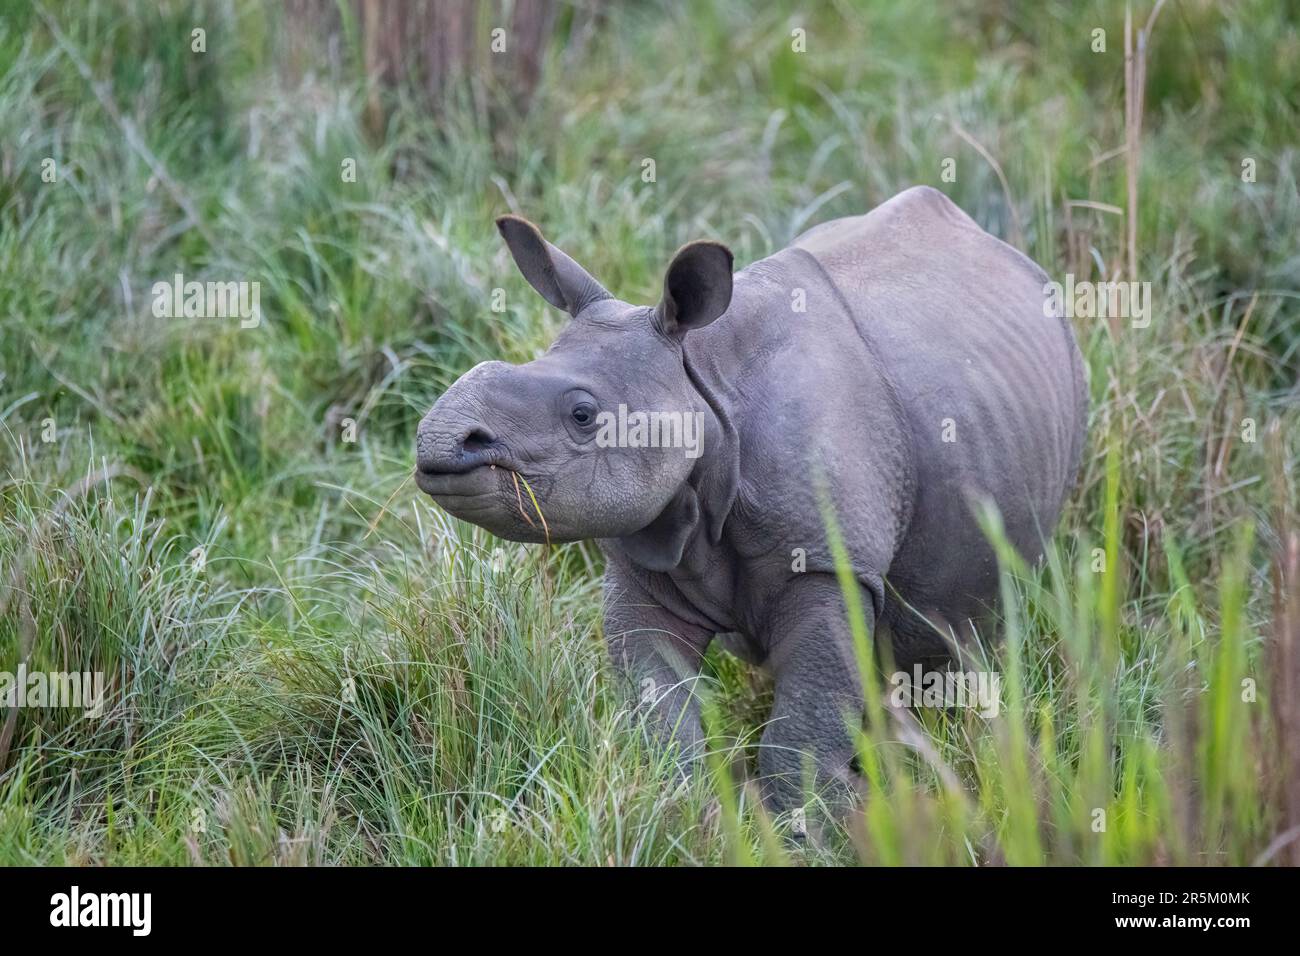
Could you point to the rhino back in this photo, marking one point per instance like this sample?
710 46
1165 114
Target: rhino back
992 389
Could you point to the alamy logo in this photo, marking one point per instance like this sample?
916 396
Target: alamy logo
103 909
1099 300
208 300
84 691
651 430
974 690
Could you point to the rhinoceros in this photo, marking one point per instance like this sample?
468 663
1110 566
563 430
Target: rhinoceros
889 370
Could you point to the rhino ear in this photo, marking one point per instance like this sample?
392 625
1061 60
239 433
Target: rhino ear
560 280
697 287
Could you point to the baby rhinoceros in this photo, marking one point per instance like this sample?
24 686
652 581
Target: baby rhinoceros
889 370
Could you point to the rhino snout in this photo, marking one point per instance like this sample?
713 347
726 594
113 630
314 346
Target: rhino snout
441 450
454 436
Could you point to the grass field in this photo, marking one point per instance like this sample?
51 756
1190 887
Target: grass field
308 662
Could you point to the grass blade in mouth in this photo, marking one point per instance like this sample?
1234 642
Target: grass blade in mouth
536 507
514 476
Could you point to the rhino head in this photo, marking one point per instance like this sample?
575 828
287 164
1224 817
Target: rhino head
605 429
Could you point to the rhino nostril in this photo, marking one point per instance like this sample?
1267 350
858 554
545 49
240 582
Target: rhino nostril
454 452
477 440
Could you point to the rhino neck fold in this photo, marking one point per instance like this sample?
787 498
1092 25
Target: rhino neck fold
659 546
716 477
703 502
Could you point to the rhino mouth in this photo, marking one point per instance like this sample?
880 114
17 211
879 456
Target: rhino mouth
470 466
472 482
493 496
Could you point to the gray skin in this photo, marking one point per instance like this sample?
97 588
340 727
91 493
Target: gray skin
921 376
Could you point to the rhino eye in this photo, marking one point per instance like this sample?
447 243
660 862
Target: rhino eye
583 414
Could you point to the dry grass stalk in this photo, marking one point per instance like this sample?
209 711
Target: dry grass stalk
1284 659
1135 81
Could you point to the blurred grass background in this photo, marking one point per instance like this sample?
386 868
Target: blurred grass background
341 673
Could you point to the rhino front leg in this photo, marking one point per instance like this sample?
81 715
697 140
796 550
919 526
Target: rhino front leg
659 655
810 736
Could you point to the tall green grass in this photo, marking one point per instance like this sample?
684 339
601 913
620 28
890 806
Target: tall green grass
309 663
